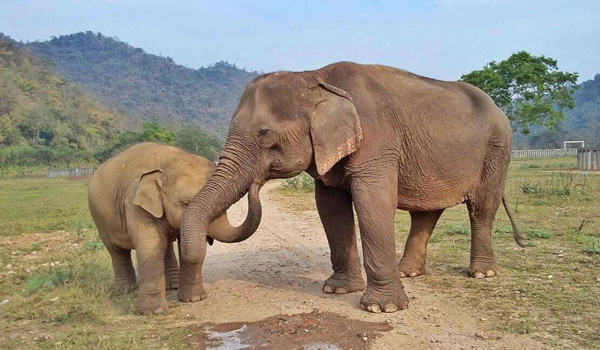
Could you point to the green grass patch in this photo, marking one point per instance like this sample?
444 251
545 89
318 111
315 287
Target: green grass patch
43 205
537 233
48 280
457 229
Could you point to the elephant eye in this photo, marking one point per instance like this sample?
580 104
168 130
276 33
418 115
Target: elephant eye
264 132
185 203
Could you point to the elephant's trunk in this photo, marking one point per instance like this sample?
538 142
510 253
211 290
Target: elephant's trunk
227 185
222 230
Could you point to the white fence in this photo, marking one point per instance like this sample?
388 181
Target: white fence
543 153
79 172
588 159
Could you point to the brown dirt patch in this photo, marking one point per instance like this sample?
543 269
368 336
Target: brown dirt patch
315 330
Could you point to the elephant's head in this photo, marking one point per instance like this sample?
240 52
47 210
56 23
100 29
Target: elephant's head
166 192
285 123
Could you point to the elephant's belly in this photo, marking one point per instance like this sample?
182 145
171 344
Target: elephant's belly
427 198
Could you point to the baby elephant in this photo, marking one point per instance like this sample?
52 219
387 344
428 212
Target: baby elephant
137 199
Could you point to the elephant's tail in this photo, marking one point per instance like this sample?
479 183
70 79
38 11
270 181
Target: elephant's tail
517 234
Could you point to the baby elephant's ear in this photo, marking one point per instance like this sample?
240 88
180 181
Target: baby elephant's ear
148 194
334 127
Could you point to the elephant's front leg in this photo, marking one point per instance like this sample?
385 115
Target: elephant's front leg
150 253
190 280
335 210
375 200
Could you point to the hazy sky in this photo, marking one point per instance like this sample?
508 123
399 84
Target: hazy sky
442 39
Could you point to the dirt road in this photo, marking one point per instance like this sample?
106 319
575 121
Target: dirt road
279 272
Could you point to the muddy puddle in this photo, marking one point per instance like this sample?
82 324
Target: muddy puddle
310 331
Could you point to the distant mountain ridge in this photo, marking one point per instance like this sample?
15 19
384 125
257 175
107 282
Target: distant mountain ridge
39 108
147 87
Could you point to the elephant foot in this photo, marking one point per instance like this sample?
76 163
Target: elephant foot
191 292
152 304
344 283
172 282
408 268
479 269
390 298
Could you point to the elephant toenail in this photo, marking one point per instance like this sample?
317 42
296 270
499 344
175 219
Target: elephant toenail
490 273
374 308
479 275
412 274
327 289
340 290
391 307
402 274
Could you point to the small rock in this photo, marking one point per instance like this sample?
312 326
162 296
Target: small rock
434 308
4 301
365 339
43 338
51 264
550 277
483 319
9 266
54 299
480 336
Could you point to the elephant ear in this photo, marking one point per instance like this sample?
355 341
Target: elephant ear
334 127
148 194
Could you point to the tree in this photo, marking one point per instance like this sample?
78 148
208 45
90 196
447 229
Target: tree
194 140
529 89
157 133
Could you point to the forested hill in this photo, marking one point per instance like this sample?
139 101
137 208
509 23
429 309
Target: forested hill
39 108
581 123
147 87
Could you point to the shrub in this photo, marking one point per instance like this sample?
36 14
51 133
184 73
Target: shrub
302 182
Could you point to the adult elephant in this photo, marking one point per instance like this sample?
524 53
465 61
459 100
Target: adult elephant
375 137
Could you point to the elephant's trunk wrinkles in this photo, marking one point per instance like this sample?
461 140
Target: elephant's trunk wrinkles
223 189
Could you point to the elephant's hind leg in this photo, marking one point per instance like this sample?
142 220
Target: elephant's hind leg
171 268
482 210
413 262
335 211
125 280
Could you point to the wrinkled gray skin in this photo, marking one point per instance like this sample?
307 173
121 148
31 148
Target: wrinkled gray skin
137 199
375 138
